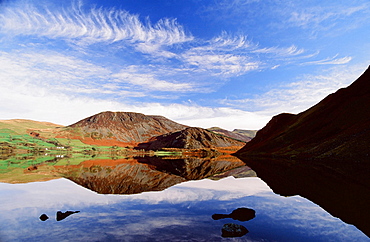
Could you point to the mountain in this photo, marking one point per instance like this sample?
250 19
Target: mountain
124 126
239 134
338 127
190 138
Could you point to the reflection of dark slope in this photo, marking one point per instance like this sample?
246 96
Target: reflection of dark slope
60 215
191 168
346 196
241 214
124 179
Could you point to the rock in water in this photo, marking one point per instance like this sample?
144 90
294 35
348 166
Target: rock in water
60 215
44 217
233 230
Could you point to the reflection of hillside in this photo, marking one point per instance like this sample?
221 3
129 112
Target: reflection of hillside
192 168
125 178
342 190
144 174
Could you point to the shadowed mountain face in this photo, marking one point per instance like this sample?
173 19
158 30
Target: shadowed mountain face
337 127
126 126
190 138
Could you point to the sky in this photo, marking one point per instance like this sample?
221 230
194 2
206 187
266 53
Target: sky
233 64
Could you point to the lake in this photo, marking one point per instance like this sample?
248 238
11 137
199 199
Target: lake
166 199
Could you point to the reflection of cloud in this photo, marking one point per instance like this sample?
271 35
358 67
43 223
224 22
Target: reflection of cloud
60 192
182 212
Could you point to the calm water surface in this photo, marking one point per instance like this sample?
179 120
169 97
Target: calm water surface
181 211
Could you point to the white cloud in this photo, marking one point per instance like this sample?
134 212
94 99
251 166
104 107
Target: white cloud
46 105
148 81
298 96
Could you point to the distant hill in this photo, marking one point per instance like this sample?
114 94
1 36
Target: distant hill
239 134
191 138
22 126
338 127
125 126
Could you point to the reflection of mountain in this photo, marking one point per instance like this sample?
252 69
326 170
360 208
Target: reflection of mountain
346 196
191 168
148 174
125 178
337 127
190 138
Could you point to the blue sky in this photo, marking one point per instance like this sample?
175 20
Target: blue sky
232 64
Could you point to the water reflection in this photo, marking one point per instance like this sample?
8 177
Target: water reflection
181 210
146 173
341 188
180 213
128 175
241 214
232 229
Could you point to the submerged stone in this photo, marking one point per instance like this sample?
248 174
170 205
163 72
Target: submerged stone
233 230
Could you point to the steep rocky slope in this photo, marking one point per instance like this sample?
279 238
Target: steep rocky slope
338 127
239 134
191 138
125 126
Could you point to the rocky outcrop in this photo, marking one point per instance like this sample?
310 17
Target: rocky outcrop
338 127
191 138
124 126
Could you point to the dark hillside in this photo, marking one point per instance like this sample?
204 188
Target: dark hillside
190 138
337 127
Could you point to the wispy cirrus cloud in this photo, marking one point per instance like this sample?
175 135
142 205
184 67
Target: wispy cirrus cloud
320 15
330 61
282 52
93 25
225 55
